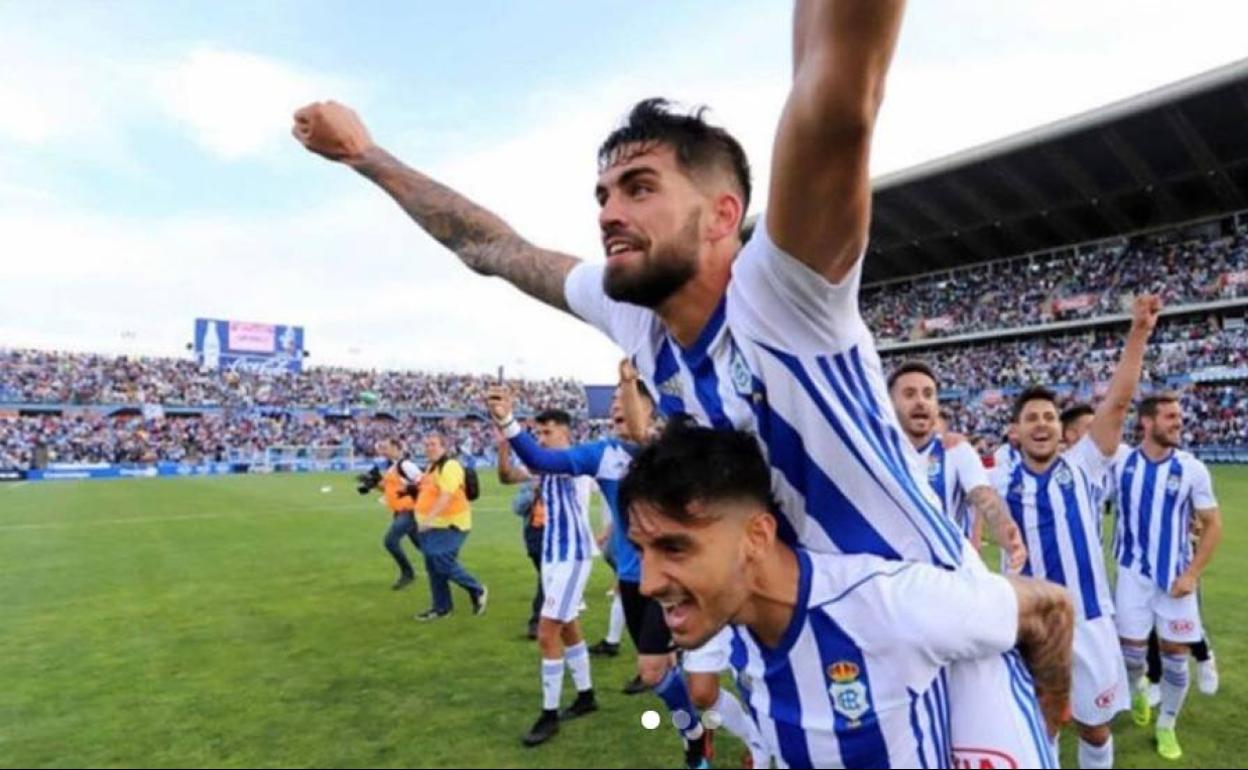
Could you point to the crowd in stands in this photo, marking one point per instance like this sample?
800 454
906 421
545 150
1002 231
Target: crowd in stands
1042 289
34 440
1214 415
1177 347
33 376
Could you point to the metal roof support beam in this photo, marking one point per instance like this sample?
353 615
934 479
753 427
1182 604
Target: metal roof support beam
1073 173
929 208
1204 159
1067 228
1141 171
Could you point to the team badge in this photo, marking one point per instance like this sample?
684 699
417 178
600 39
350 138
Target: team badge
742 378
1063 477
1172 485
933 468
670 387
849 694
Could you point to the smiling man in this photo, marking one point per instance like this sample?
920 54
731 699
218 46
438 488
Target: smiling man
841 656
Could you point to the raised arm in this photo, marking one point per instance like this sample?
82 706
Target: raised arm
481 240
535 457
1111 415
508 473
819 206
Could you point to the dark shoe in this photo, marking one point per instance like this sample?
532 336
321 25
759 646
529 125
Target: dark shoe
605 649
635 687
695 753
403 582
479 599
532 630
432 614
543 729
584 704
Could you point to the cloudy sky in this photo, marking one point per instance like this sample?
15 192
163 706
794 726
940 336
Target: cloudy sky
147 176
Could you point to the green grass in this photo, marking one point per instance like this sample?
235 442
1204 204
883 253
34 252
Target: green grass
248 622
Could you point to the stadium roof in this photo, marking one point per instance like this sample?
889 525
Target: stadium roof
1168 156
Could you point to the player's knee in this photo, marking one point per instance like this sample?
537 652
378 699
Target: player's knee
652 670
1097 735
1174 649
703 690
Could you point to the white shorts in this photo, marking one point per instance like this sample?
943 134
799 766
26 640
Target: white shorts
994 719
1098 686
712 657
563 582
1141 606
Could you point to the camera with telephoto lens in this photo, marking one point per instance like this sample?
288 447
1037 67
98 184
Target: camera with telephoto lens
367 482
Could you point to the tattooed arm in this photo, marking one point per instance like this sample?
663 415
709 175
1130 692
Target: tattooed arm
481 240
991 508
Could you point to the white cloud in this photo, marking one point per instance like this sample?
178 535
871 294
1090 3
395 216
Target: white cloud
238 104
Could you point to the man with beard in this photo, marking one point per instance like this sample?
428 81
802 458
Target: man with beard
955 472
764 337
1055 497
841 656
1159 489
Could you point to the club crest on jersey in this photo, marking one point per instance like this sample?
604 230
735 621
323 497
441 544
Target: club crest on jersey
1172 485
849 694
933 467
1063 477
670 387
742 378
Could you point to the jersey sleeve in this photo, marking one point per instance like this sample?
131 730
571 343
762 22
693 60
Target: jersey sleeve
936 614
781 302
627 325
1085 454
1202 488
580 460
970 469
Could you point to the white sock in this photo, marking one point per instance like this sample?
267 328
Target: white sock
615 626
1096 757
737 721
1136 659
577 657
1174 684
552 683
1055 744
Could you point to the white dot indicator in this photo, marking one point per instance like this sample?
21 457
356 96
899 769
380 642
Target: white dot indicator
650 719
681 719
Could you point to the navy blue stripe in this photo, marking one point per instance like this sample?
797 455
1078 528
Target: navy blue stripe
1146 517
665 369
1025 697
578 518
861 742
937 479
698 350
916 729
933 725
786 708
1014 500
706 388
1083 559
1167 537
943 728
844 524
548 539
890 452
1050 549
561 526
1126 480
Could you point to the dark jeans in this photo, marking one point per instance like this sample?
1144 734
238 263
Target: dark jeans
533 547
403 525
441 548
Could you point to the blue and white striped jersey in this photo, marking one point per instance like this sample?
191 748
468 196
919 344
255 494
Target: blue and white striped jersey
568 535
787 357
607 461
953 473
858 678
1059 514
1155 502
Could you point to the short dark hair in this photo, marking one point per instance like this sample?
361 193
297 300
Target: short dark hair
690 463
912 367
699 146
557 416
1034 393
1148 407
645 391
1072 413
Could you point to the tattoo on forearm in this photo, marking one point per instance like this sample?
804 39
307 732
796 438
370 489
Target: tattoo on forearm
482 241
